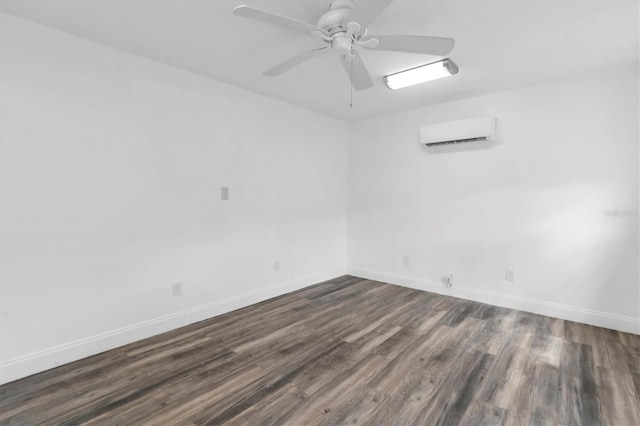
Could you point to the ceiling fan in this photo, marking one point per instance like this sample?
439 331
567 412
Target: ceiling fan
343 29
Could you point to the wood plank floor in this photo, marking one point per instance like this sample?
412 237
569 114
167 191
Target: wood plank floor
348 351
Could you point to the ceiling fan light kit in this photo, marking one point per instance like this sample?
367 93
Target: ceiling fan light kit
343 29
421 74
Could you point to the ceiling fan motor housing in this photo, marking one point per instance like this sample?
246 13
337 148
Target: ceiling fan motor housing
331 21
341 43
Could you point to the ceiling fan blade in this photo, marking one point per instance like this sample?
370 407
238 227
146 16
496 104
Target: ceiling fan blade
360 78
364 12
271 18
436 46
295 61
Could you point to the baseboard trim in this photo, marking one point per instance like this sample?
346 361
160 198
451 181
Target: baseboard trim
53 357
556 310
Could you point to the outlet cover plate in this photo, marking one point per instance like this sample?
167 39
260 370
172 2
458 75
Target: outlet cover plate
509 274
176 288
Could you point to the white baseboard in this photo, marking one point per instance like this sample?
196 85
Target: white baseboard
43 360
556 310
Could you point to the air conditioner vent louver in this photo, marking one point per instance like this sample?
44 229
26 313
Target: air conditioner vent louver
480 139
472 130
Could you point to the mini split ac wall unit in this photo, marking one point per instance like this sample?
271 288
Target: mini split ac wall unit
482 129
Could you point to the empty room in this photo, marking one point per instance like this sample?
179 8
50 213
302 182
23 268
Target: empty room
306 212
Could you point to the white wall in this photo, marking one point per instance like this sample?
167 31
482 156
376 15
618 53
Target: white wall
111 167
110 180
536 201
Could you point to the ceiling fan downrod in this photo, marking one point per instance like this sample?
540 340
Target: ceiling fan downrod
331 21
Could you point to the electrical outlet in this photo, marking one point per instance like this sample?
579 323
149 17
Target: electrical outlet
509 274
448 280
224 192
176 288
405 260
276 265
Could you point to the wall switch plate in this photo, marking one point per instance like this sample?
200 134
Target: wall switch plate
405 260
176 288
509 274
224 192
276 265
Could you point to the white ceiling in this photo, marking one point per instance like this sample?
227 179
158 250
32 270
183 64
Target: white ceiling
500 44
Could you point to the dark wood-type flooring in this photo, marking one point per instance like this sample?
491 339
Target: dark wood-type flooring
348 351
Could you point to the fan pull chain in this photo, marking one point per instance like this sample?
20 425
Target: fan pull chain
351 77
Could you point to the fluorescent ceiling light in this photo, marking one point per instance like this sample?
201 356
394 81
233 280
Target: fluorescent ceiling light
421 74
